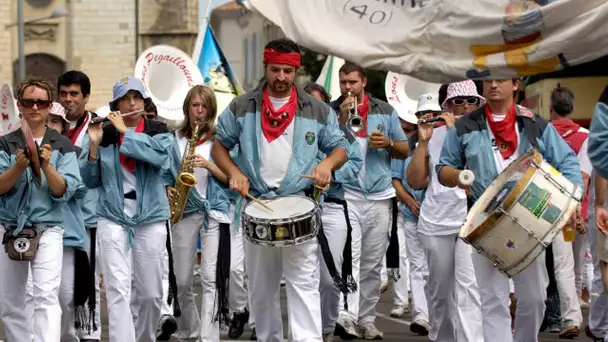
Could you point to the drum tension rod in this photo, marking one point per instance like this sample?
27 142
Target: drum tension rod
516 221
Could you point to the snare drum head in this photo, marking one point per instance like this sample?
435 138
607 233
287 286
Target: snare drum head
283 207
502 192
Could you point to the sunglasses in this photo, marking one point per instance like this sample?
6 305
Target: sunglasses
470 100
29 103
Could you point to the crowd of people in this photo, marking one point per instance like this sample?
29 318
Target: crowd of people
98 202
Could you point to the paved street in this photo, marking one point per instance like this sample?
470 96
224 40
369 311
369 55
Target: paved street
395 330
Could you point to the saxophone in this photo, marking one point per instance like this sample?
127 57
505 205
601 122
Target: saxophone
185 180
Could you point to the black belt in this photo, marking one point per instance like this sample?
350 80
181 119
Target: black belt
334 200
131 195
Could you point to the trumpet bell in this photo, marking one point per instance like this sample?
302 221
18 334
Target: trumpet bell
188 179
356 124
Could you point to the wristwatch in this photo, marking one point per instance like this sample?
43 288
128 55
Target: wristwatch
390 143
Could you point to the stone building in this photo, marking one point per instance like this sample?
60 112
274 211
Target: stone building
103 38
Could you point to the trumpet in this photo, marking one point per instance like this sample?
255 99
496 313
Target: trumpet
355 122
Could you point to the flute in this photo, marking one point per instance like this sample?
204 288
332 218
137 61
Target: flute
430 120
99 119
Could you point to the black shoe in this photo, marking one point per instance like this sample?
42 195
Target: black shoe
254 336
168 326
237 324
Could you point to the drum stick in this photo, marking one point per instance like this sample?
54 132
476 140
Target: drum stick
98 120
306 176
259 202
466 177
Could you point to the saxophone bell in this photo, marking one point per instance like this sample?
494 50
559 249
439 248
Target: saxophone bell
355 122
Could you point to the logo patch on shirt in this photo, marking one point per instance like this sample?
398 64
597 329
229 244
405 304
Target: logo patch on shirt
310 138
380 128
523 111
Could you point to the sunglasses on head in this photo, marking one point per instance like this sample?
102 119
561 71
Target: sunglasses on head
42 104
470 100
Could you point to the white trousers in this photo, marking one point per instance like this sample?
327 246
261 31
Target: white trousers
94 334
139 267
66 297
300 266
237 291
184 233
530 290
165 308
371 223
46 280
335 229
419 272
402 285
451 290
598 306
569 304
249 281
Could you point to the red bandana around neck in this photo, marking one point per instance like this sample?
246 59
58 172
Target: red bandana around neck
504 131
74 133
275 121
127 162
363 110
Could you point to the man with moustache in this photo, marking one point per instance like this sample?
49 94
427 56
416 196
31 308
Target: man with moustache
372 205
290 128
500 132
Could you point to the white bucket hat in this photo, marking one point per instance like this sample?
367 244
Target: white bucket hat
57 109
462 89
428 102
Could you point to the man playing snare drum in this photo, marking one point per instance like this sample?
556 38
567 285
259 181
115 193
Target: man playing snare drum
500 132
280 129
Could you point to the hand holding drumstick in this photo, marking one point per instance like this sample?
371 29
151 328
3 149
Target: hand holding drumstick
240 184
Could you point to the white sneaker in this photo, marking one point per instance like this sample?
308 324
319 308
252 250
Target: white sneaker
368 331
326 338
420 327
383 286
399 310
346 329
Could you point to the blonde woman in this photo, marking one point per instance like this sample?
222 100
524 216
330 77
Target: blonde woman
205 213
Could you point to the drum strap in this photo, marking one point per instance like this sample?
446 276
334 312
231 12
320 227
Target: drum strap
172 296
392 254
222 275
531 131
347 254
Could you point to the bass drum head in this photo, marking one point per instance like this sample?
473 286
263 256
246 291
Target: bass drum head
502 192
283 208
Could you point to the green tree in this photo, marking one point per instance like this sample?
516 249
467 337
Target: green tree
312 64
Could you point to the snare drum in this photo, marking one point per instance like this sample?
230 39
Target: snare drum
520 213
294 220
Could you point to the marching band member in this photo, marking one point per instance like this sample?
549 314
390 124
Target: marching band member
371 200
205 213
512 130
569 256
76 275
124 161
451 284
598 137
31 217
410 201
336 230
74 92
280 129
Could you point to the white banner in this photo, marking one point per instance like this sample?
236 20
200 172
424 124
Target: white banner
446 40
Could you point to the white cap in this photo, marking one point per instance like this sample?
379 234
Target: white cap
406 114
428 102
57 109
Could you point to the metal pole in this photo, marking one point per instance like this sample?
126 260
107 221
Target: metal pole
21 40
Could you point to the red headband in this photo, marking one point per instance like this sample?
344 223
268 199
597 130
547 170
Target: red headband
288 58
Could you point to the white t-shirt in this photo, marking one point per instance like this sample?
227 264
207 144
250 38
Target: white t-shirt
444 209
129 183
583 156
275 155
202 174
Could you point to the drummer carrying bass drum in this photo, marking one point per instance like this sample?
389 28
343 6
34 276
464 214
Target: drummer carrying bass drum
294 127
470 142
